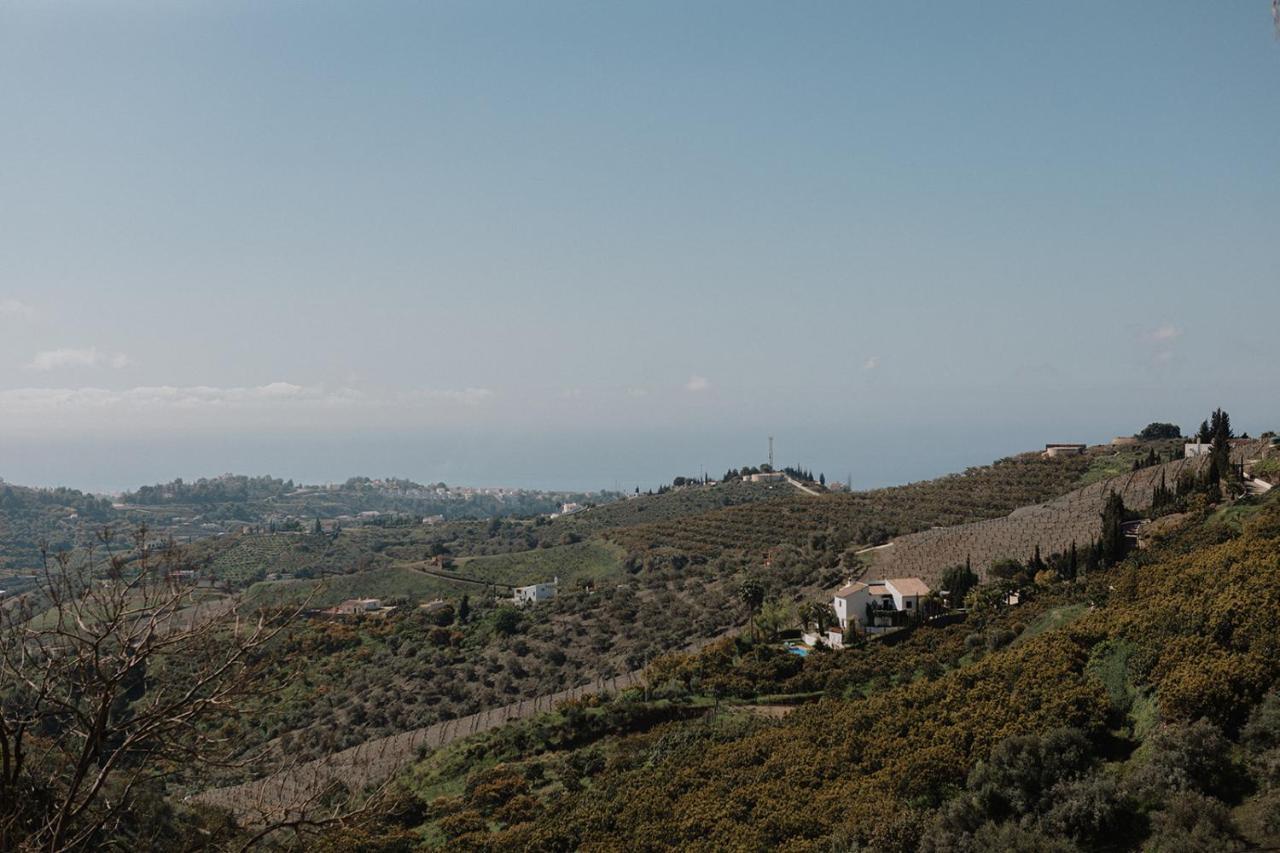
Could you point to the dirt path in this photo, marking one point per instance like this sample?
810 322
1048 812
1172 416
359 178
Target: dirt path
802 487
453 577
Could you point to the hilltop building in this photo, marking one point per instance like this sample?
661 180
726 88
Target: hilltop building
1052 451
1200 448
568 509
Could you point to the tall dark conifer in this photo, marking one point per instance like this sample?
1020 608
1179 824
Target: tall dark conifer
1112 545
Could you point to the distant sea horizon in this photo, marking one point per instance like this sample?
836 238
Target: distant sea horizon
551 461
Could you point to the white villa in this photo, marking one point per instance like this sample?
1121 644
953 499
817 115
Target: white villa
877 607
360 607
534 593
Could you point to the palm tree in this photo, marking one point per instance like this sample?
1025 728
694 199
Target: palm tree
752 594
818 613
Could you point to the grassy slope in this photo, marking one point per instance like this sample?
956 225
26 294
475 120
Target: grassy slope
675 504
593 560
385 582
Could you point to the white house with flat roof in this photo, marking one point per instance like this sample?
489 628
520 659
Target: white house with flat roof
534 593
1064 449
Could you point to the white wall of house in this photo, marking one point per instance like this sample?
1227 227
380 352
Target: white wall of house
851 607
534 593
901 601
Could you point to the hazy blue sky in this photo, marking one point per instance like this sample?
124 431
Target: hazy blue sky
580 243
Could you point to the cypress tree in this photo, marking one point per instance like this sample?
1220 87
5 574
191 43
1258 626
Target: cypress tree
1112 546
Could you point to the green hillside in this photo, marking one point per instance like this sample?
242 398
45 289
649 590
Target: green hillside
397 583
674 504
589 561
1133 713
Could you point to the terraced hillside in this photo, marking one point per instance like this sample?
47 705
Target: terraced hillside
243 559
417 582
865 518
389 583
1135 711
1053 526
672 505
588 561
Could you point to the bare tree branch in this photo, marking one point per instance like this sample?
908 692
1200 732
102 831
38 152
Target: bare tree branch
113 677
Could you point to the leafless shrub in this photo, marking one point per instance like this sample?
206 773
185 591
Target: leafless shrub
114 673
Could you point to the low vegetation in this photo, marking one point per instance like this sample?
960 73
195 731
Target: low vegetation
1122 703
1138 717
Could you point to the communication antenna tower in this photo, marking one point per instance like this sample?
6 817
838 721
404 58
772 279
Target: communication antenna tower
770 453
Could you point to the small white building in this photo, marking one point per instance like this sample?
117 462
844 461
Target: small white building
1064 449
523 595
880 605
568 509
358 606
1191 451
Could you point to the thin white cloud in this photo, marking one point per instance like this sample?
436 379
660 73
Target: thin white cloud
1162 340
91 357
697 384
16 308
150 397
1163 334
463 396
233 407
871 363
